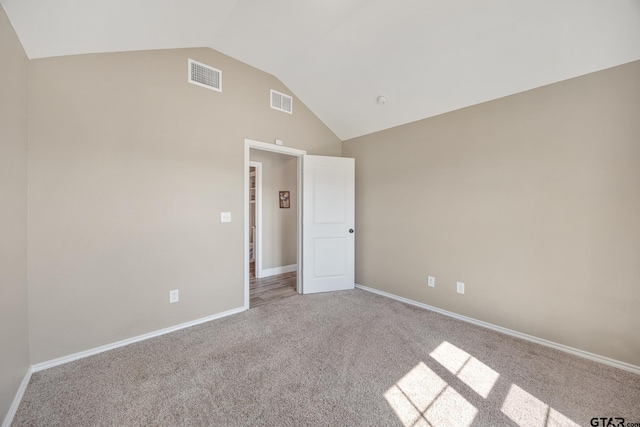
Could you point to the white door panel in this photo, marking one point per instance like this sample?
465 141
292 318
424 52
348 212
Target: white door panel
330 204
330 256
328 223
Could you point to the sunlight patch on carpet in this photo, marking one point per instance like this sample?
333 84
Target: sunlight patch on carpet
467 368
528 411
422 398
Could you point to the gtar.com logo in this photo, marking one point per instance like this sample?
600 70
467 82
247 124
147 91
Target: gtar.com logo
607 422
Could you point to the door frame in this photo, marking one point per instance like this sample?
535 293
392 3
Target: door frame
258 145
257 207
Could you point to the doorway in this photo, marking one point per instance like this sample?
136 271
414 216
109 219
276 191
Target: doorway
326 262
272 227
268 270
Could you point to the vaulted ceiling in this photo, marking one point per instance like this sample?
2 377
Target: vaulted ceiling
426 56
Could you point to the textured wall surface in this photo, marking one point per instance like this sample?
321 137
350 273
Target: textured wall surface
533 201
14 333
130 167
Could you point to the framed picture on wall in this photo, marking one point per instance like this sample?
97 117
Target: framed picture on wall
285 201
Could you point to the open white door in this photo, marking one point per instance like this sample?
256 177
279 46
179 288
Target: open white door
328 224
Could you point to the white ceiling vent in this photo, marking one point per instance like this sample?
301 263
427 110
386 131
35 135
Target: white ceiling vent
281 102
205 76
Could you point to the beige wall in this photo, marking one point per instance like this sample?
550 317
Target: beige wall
279 226
533 201
14 350
130 167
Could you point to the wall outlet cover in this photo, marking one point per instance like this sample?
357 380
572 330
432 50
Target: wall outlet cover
174 296
460 287
225 216
431 282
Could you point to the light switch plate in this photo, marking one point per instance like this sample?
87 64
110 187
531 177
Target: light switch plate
225 216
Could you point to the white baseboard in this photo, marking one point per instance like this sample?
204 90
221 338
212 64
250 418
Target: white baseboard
66 359
576 352
267 272
8 419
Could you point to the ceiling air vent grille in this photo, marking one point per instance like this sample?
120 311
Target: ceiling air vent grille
281 102
205 76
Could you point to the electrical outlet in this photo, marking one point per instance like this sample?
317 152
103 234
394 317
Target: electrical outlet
460 287
225 216
173 296
431 282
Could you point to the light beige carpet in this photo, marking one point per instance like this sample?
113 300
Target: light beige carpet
338 359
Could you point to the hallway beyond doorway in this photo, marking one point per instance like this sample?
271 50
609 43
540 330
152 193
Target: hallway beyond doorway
272 288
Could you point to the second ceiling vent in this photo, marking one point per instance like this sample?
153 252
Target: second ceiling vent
281 102
205 76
